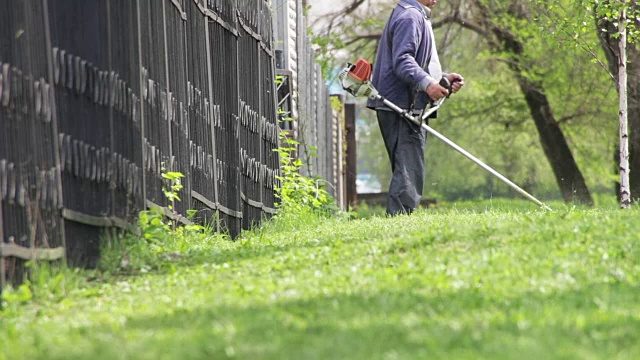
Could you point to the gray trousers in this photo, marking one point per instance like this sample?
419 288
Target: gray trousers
405 145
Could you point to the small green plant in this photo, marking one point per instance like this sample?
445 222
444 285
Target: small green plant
174 185
46 282
155 229
296 191
162 239
15 297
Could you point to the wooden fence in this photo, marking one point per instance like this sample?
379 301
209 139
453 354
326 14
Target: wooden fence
99 98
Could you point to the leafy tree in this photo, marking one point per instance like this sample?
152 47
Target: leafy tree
509 31
613 21
614 24
558 85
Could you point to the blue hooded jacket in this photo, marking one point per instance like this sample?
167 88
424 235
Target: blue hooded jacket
403 54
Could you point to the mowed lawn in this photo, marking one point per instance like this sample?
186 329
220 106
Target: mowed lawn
496 282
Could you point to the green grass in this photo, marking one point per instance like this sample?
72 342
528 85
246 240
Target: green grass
456 282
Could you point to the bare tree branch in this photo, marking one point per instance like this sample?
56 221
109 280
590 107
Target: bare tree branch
336 16
457 19
578 114
367 37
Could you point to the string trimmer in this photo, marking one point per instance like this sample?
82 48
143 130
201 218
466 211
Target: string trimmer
355 80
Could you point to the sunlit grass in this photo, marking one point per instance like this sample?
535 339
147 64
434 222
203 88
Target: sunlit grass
483 280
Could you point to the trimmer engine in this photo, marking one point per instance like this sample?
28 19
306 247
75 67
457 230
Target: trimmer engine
355 79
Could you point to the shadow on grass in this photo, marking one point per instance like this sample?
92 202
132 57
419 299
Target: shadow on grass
463 324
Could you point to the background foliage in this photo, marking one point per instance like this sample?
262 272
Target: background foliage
489 117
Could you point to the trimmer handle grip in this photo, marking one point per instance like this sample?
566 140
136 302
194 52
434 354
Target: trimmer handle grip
445 83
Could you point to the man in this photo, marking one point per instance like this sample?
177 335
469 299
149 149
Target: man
407 72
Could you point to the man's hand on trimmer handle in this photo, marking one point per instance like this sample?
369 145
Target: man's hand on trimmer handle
456 82
452 82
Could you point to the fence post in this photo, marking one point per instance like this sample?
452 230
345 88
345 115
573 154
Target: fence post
141 109
350 127
337 130
216 173
262 140
54 129
112 140
2 274
170 165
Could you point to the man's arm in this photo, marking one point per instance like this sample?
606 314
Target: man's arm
406 38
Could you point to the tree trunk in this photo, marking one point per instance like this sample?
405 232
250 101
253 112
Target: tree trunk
625 201
611 47
568 176
554 144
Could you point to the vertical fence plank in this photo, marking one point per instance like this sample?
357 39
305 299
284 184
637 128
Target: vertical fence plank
350 126
138 108
214 122
57 197
3 276
270 137
126 124
223 37
338 129
178 119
